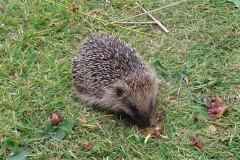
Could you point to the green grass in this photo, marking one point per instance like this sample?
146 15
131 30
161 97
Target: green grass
39 39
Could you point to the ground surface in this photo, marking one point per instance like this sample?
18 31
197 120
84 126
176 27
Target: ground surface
200 57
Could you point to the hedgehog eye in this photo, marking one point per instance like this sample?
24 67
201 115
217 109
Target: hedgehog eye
119 91
133 108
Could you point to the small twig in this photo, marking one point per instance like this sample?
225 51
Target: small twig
179 90
150 22
105 22
153 10
153 18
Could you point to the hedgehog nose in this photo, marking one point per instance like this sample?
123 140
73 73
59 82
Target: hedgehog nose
143 124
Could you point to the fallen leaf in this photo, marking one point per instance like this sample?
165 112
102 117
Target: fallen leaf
157 131
64 128
195 119
160 116
230 157
56 118
196 142
216 107
21 154
74 7
215 102
87 145
16 152
49 129
57 157
60 131
218 113
126 143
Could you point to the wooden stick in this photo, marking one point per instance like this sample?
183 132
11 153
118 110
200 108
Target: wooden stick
172 4
150 22
153 18
104 22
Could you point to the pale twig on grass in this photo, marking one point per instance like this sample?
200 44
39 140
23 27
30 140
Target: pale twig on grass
172 4
104 21
150 22
154 19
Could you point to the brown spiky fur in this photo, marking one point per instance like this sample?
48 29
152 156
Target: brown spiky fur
110 74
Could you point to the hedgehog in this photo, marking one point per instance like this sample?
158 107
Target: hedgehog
110 74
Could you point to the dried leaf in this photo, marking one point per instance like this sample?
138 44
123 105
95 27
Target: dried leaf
195 119
216 107
196 142
215 102
74 7
57 157
87 145
157 131
56 118
126 143
160 116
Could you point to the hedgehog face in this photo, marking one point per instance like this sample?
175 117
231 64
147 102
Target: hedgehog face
138 114
136 99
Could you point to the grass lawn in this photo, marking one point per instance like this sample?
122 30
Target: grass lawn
200 59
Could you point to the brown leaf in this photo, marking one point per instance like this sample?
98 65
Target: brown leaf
215 102
216 107
157 131
126 143
160 116
87 145
196 142
57 157
56 118
74 7
195 119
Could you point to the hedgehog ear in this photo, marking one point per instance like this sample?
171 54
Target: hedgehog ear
119 91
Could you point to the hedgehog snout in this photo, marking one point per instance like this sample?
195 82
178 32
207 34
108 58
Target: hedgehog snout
142 120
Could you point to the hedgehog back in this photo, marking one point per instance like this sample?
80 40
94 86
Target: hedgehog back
101 61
